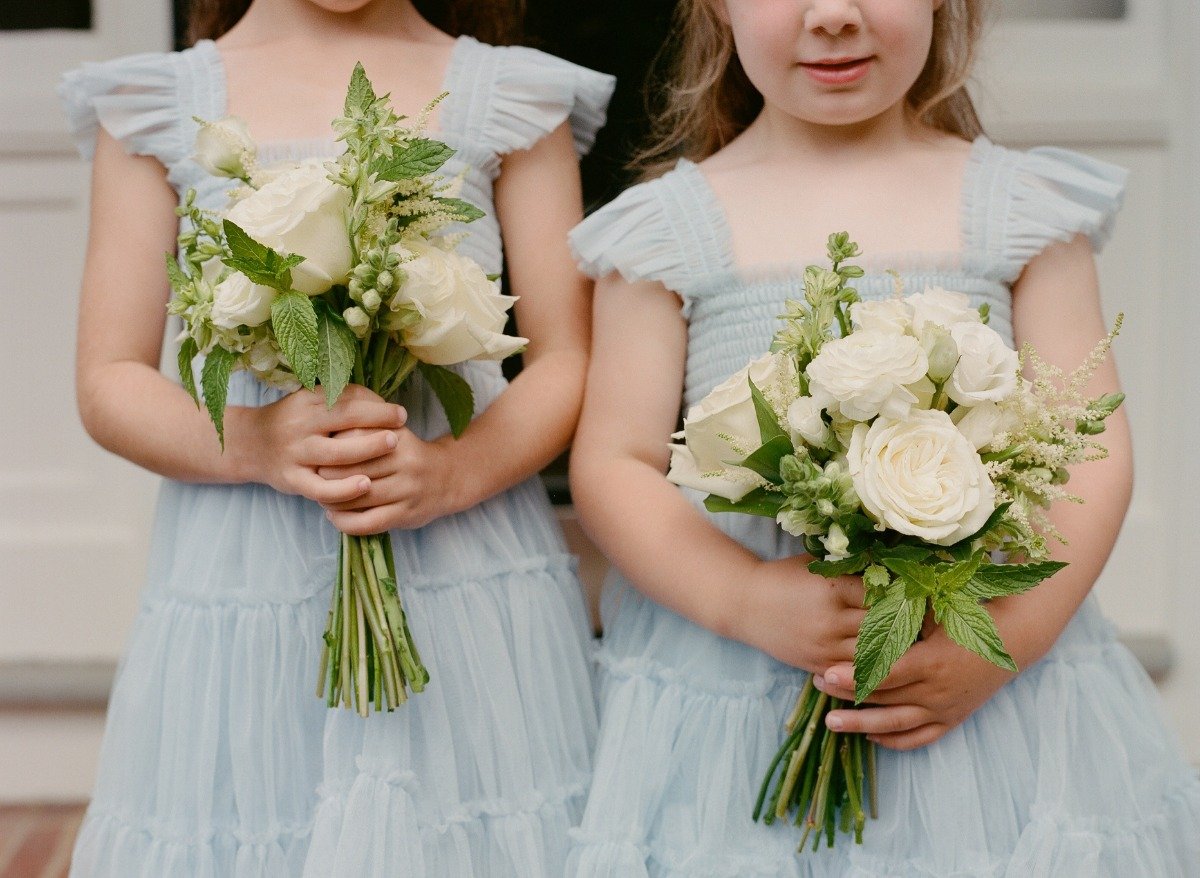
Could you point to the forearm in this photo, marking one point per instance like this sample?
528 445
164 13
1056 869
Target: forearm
137 413
520 433
646 527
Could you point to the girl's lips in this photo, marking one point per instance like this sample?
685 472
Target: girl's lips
838 72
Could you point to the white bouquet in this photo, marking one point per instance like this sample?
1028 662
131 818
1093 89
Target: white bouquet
332 272
900 441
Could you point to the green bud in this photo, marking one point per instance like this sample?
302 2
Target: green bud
385 280
942 352
1061 476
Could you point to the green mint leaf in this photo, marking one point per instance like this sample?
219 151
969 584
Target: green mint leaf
992 521
337 350
845 567
768 424
916 554
295 323
187 353
418 158
877 581
765 461
758 502
214 379
461 211
1002 580
257 261
971 627
889 629
917 578
955 576
454 393
360 95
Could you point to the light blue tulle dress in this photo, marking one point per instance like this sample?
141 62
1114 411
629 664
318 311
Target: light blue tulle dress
213 763
1068 772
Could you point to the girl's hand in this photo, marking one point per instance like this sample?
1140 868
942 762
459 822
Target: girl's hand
799 618
932 689
291 438
410 485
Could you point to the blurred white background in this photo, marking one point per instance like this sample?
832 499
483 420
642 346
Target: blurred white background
1116 78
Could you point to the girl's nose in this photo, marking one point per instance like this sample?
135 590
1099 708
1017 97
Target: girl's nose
832 17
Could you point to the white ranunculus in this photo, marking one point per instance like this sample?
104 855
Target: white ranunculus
462 312
920 476
723 427
865 373
943 307
886 315
987 366
238 301
805 423
984 422
224 148
302 211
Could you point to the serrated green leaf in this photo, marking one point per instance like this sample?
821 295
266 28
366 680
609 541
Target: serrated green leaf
418 158
955 576
972 627
991 522
760 501
768 424
889 629
360 95
876 580
214 380
337 349
918 579
454 393
845 567
295 323
765 461
1002 580
258 261
187 353
179 280
915 554
462 211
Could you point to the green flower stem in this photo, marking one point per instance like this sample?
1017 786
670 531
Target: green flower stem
801 703
364 698
344 628
383 655
793 771
872 779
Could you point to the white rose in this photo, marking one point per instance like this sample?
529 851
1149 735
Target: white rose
943 307
987 366
238 301
723 427
805 423
894 316
920 476
982 423
865 373
224 148
462 312
302 211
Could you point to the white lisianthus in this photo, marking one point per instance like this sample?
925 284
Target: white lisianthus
865 373
987 366
224 148
723 427
894 316
238 301
982 423
942 307
302 211
920 476
462 312
805 423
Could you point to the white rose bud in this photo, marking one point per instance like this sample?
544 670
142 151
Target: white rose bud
238 301
358 320
302 211
987 366
865 373
723 427
941 351
806 424
942 307
920 476
224 148
462 313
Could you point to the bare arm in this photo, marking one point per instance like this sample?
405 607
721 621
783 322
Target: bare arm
645 525
132 410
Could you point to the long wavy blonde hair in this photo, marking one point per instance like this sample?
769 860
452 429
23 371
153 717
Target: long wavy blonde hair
704 98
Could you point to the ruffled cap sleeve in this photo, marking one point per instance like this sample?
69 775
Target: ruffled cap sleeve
533 93
1057 194
134 99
